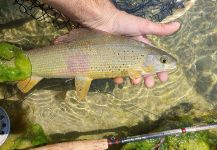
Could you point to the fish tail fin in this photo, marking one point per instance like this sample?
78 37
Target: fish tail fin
26 85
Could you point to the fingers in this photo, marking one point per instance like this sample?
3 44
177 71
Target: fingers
148 27
148 81
130 25
118 80
163 76
136 81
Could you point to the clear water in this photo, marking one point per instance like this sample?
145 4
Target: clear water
126 109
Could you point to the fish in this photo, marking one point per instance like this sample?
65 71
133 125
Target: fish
86 55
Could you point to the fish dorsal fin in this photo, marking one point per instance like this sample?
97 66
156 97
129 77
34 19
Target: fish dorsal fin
81 33
26 85
82 85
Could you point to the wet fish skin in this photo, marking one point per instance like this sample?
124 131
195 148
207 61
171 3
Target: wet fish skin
95 55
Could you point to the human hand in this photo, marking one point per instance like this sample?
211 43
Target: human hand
102 15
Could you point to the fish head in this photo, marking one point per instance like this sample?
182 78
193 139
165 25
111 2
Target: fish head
158 61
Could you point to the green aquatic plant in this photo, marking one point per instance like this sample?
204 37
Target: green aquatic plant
145 145
14 64
34 136
200 141
37 135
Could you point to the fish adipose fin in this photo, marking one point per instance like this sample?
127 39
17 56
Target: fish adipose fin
26 85
82 85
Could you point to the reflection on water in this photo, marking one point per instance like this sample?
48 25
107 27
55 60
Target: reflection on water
133 109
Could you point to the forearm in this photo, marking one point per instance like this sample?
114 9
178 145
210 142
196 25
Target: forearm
88 12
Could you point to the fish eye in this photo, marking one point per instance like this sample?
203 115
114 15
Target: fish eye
164 59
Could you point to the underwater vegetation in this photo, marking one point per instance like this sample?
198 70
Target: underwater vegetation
21 68
190 141
33 136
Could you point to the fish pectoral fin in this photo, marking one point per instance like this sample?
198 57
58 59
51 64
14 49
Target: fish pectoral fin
82 85
26 85
135 73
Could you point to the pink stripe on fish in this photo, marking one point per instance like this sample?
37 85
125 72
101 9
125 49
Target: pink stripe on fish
78 64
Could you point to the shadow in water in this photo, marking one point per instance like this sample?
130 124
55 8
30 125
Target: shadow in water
16 114
100 85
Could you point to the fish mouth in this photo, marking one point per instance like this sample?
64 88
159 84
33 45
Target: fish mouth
172 70
174 67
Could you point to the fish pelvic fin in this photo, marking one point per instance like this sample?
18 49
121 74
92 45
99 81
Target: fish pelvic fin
82 85
26 85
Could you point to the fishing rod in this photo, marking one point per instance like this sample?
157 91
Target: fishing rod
106 143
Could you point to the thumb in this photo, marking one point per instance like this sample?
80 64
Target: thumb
148 27
131 25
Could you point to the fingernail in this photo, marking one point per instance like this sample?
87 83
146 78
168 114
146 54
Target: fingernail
176 24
